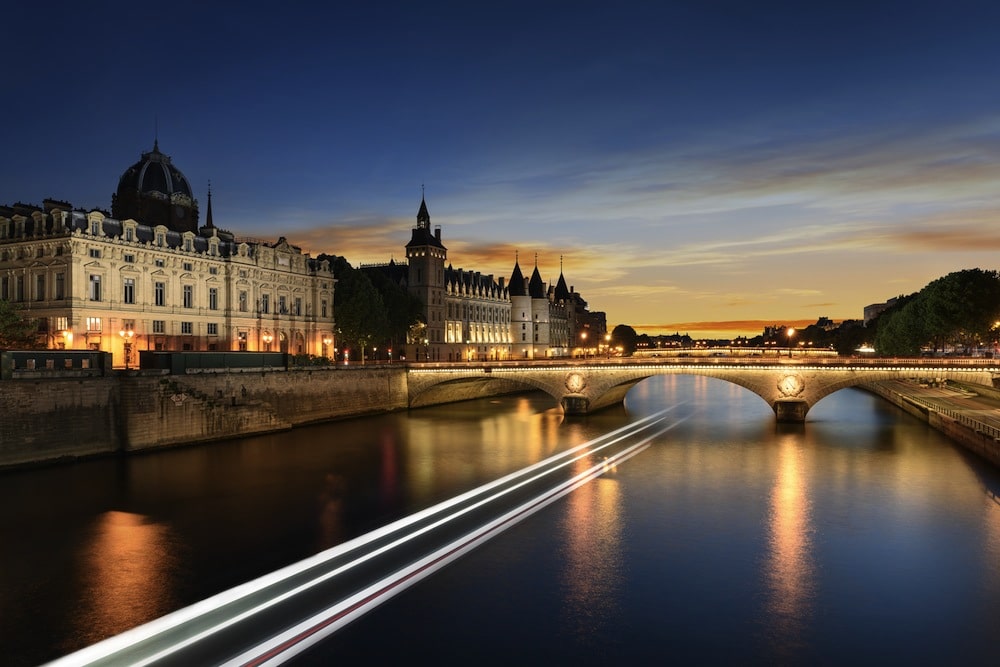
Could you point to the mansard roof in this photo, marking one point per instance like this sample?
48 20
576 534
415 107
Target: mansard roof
473 282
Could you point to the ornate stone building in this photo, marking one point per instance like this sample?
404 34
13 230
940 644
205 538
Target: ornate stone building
160 282
470 316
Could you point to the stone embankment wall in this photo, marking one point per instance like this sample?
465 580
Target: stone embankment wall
55 418
50 419
977 440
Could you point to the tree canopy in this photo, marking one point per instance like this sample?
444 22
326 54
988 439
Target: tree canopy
960 309
16 331
625 336
369 308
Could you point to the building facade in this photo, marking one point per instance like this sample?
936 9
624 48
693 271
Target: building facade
120 285
471 316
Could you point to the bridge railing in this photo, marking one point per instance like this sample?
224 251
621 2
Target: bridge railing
837 362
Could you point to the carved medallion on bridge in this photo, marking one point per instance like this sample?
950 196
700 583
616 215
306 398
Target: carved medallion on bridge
575 382
791 384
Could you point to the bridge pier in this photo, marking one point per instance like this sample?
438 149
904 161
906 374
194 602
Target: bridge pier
575 405
790 410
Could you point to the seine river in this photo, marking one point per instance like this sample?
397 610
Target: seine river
860 537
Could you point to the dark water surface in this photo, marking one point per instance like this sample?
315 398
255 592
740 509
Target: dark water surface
859 537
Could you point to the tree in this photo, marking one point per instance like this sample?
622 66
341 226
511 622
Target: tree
358 309
624 336
402 309
962 307
16 331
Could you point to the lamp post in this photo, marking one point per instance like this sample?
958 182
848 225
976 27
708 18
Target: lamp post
791 334
327 340
267 338
607 344
127 335
583 343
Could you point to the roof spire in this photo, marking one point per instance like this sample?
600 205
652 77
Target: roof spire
423 217
536 260
208 214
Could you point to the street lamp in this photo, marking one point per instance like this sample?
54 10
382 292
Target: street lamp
791 334
583 343
126 335
327 340
267 338
607 344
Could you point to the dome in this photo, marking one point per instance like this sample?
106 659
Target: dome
155 192
154 173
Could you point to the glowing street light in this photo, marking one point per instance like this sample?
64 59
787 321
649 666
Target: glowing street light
127 335
791 334
267 338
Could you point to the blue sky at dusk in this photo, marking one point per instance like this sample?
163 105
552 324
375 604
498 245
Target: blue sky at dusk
703 167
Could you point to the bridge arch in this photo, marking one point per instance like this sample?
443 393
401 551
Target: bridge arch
790 389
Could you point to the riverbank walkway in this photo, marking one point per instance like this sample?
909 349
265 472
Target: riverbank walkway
976 411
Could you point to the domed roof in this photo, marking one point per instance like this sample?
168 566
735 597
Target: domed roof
154 173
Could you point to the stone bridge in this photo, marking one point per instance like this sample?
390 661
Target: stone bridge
791 387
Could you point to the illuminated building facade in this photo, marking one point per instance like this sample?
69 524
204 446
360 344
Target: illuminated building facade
97 282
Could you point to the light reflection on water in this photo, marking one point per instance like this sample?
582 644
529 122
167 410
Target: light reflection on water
789 567
126 572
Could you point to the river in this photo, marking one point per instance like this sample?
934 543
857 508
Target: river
861 536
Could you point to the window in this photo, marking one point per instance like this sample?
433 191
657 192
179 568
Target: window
129 258
282 305
129 234
40 287
213 329
243 273
95 227
188 296
213 298
188 266
186 328
298 306
158 262
128 290
160 294
161 239
323 304
159 326
243 302
95 287
188 245
214 270
95 253
94 324
265 303
5 288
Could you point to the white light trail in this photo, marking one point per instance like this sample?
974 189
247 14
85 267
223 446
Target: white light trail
148 632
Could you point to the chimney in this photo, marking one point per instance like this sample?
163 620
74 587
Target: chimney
437 232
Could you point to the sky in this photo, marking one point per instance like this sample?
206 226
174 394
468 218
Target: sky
705 167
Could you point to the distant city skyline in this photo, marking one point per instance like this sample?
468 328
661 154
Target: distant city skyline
702 168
